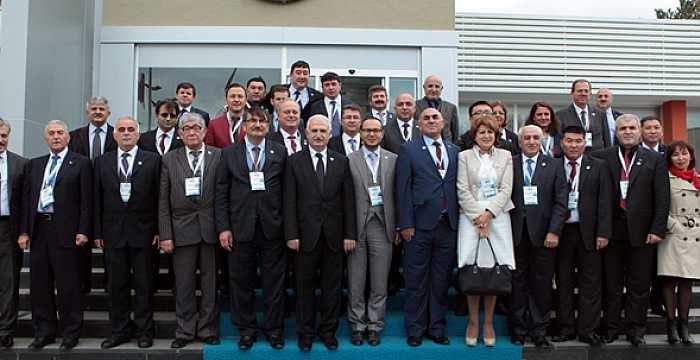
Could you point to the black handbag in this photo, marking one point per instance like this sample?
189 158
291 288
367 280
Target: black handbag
475 280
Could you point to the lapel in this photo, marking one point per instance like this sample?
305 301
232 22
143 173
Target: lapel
518 176
270 155
209 169
384 169
85 134
637 163
542 163
10 161
429 158
67 162
111 160
242 159
359 162
181 158
307 164
681 184
583 171
138 163
331 168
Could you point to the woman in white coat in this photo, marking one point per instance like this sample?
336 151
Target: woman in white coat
484 185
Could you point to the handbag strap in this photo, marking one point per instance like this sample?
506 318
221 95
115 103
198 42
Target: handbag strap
478 245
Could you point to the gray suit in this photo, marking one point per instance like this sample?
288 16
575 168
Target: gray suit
189 222
376 229
597 124
393 135
449 114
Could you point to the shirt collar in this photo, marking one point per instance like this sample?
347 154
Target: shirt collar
314 152
578 109
3 155
285 134
430 141
189 108
292 90
534 158
92 127
249 145
367 151
347 137
61 155
328 100
160 132
655 148
578 161
401 122
131 152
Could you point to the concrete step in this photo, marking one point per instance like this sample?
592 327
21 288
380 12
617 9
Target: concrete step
89 349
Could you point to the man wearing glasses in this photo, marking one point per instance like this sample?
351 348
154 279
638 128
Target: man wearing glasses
164 138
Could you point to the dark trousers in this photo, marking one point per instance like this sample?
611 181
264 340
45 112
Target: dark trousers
244 259
395 279
531 299
330 264
629 267
52 264
10 266
86 267
120 262
573 255
427 264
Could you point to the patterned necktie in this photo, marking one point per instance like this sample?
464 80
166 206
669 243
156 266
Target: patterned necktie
352 144
335 117
572 175
195 161
624 176
124 173
584 119
256 158
438 155
528 177
405 131
297 98
96 144
293 143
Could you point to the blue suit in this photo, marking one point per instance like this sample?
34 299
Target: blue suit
428 203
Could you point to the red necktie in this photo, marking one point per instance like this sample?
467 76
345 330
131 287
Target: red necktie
624 176
438 155
572 175
293 143
162 144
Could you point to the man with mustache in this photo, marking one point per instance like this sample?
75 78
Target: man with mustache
378 102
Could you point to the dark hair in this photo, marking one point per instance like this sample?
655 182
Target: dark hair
186 85
485 120
350 107
554 125
573 84
233 85
299 64
648 118
475 104
257 112
499 103
256 79
274 90
371 117
330 76
574 129
169 104
375 88
680 144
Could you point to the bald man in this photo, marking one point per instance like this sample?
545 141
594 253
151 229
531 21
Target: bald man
432 89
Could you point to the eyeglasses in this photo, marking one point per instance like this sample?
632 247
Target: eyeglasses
191 127
482 112
167 115
123 129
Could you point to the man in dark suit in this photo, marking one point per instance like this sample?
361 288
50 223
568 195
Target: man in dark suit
319 222
56 223
227 129
604 100
349 141
426 189
586 232
580 114
249 222
540 198
432 89
401 129
185 94
187 230
11 189
330 104
289 132
378 102
299 89
275 97
256 90
164 138
640 211
92 141
126 224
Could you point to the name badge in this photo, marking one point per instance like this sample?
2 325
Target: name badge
573 200
46 197
589 139
257 180
530 195
624 184
193 186
375 195
488 188
125 191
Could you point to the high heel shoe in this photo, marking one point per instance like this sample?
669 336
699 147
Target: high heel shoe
683 332
489 341
471 341
672 331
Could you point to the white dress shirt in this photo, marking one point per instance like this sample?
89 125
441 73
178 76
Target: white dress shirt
378 115
655 148
611 123
346 143
103 136
129 159
314 159
587 125
431 148
573 218
303 95
4 193
534 165
400 123
61 157
329 106
373 168
168 139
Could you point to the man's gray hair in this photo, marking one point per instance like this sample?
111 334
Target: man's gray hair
628 117
56 122
191 117
5 123
138 127
320 117
533 127
97 100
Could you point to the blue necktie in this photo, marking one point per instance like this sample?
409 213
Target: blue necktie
528 178
52 177
335 117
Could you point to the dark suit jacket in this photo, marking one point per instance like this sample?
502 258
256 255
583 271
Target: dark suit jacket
336 144
648 193
598 124
72 197
594 201
15 185
202 113
148 142
187 220
466 142
313 96
393 135
389 115
135 223
80 141
237 206
512 141
308 212
277 137
449 114
318 106
549 214
420 188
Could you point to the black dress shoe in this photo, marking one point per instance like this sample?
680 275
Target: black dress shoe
517 339
276 341
68 344
658 309
331 343
114 341
356 338
414 341
6 341
636 340
144 342
608 338
683 332
179 343
246 342
591 339
563 337
39 343
672 332
304 344
542 342
211 340
373 338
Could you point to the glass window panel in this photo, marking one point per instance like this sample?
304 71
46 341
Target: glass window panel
401 85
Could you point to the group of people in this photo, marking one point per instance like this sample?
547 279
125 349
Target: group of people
297 188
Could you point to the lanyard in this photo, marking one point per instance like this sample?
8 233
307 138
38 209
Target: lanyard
626 169
52 175
200 161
